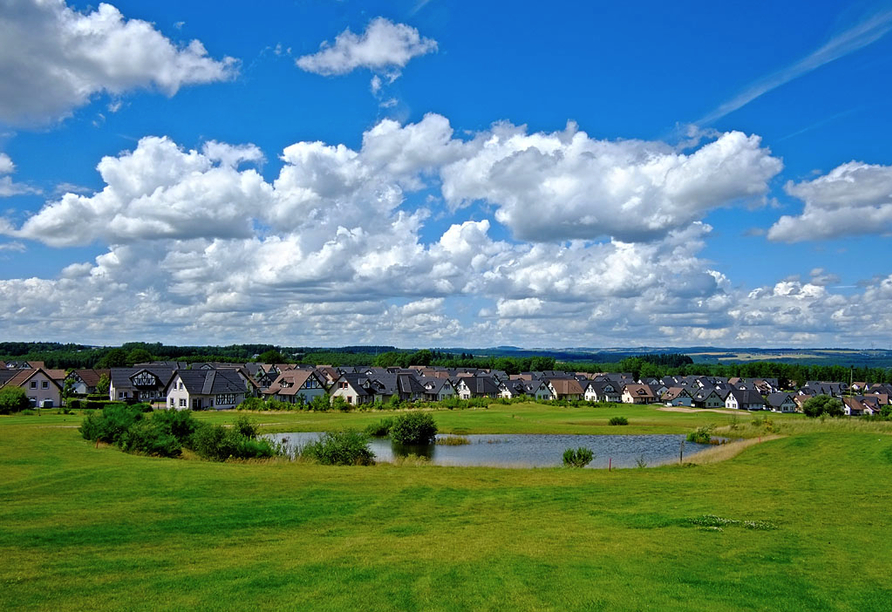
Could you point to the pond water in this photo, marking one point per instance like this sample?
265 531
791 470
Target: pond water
523 450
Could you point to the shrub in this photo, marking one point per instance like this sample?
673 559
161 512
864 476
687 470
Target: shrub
381 429
414 428
245 426
110 424
75 404
701 435
338 403
320 403
579 457
179 423
13 399
618 420
822 404
219 443
453 441
150 437
341 448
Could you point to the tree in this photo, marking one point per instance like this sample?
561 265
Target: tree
414 428
138 355
822 404
271 356
115 358
67 390
104 384
13 399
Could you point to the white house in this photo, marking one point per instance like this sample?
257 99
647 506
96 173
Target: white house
205 389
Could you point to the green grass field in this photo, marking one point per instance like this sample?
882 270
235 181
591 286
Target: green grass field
85 528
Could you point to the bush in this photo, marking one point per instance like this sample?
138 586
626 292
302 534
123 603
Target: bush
341 448
179 423
75 404
245 426
701 435
579 457
339 403
822 404
13 399
381 429
619 420
320 403
219 443
150 437
414 428
110 424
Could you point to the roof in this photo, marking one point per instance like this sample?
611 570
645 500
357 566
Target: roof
566 386
210 382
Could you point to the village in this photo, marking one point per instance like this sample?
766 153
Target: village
223 386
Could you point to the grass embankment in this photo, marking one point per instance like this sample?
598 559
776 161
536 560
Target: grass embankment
87 528
525 418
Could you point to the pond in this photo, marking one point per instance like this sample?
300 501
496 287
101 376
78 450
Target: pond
524 450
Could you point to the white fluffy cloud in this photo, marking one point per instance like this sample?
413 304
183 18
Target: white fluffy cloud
54 59
384 46
565 185
852 199
7 186
201 246
158 191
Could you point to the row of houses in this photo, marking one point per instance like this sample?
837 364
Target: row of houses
221 386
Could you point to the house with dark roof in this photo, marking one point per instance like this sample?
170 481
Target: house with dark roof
204 390
476 386
142 384
780 402
603 391
677 396
708 398
437 389
744 400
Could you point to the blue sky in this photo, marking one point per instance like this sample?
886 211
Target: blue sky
439 174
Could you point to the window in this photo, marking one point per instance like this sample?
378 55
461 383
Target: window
45 385
33 384
171 403
182 402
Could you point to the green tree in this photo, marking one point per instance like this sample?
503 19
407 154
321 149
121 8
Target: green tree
414 428
103 385
13 399
139 355
822 404
115 358
271 356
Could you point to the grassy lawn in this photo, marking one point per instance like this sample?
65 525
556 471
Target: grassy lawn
85 528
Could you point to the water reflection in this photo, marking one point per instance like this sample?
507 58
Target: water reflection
524 450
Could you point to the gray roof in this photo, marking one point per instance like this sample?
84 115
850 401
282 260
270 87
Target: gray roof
211 382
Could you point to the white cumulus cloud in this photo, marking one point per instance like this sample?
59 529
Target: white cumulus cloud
384 46
852 199
54 59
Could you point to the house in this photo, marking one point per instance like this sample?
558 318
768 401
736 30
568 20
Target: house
780 402
744 400
437 389
677 396
204 389
638 394
565 388
142 384
533 389
708 398
476 386
355 388
602 392
85 381
296 386
41 388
